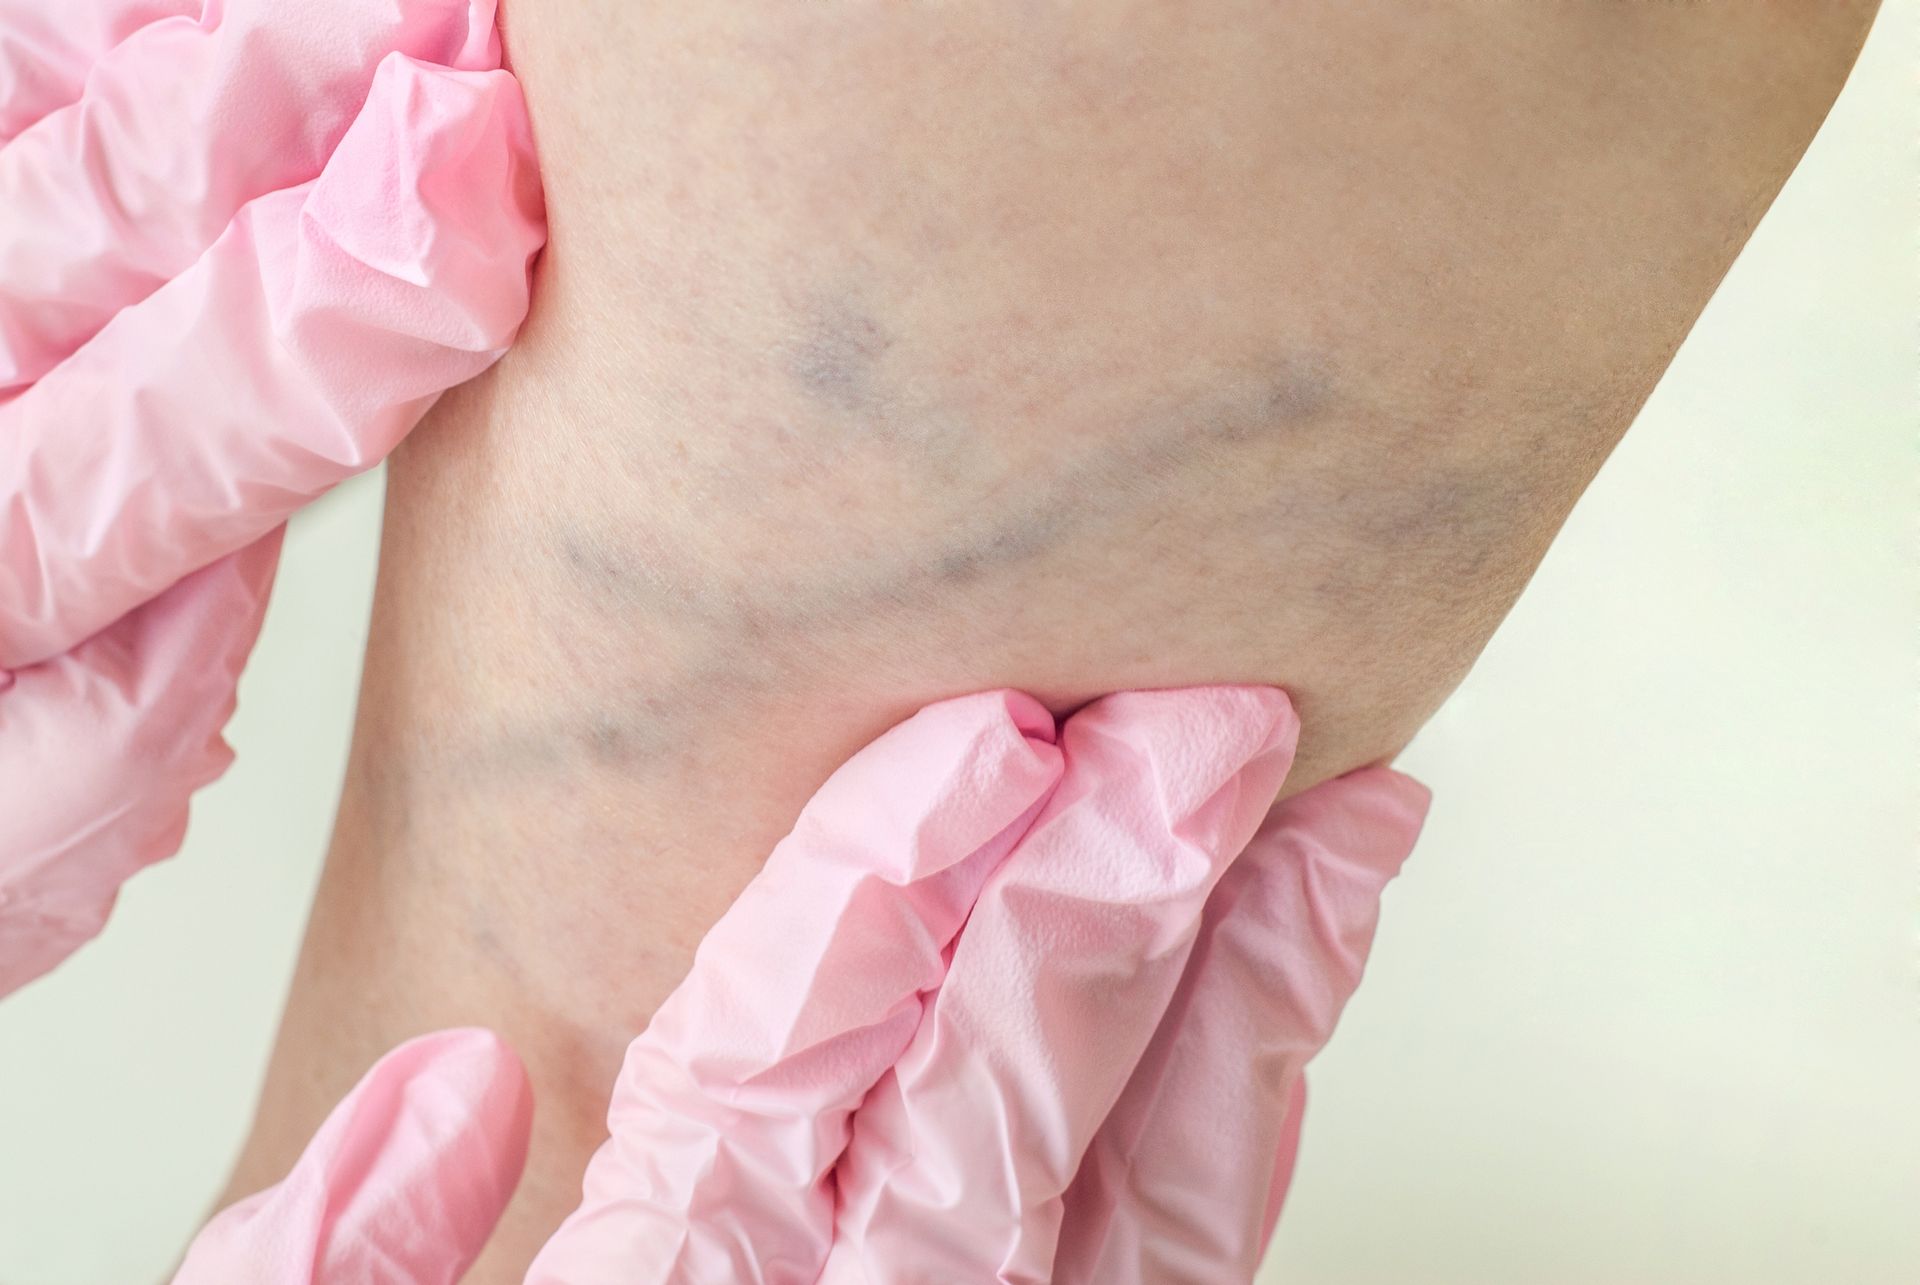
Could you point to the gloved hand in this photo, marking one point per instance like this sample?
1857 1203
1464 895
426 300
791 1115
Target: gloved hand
244 244
1002 1007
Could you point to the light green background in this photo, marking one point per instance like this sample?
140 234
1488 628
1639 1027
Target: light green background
1644 1006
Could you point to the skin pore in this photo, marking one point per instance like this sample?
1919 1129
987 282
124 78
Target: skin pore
887 352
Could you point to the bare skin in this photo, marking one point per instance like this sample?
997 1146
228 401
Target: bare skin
887 352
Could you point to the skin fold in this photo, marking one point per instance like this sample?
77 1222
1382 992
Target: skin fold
886 352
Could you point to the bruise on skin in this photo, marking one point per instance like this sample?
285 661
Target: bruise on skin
838 353
1031 514
1023 535
632 575
1296 388
627 735
610 740
837 361
1183 449
732 614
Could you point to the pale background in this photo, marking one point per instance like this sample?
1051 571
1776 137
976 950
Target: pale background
1646 1005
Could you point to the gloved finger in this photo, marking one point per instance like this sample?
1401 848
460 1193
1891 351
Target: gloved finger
101 747
46 49
733 1106
1177 1185
1284 1161
401 1186
961 1155
178 126
297 351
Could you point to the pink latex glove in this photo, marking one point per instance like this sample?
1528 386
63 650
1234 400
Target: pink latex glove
1002 1007
401 1185
244 244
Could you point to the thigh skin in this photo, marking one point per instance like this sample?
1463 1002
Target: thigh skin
884 352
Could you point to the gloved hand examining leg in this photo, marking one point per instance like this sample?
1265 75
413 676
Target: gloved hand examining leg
885 356
1011 1002
243 246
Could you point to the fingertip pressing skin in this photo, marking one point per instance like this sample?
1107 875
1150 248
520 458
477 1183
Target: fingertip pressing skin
733 1106
962 1153
401 1185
